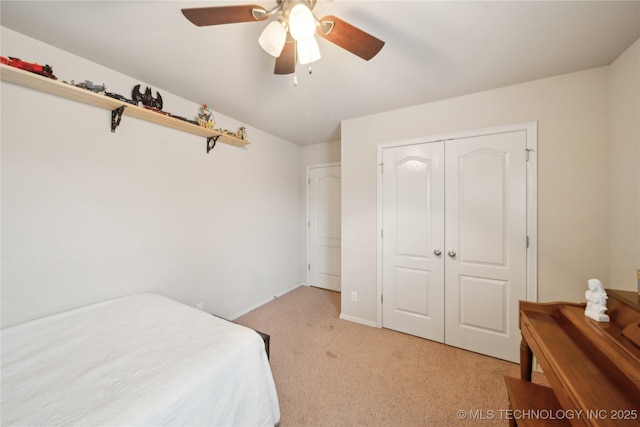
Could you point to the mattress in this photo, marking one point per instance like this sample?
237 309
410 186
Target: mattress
141 360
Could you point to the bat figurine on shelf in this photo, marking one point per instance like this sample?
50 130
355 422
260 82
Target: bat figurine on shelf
147 99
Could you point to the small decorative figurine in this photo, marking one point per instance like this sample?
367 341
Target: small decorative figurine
242 132
88 84
205 117
596 301
43 70
147 99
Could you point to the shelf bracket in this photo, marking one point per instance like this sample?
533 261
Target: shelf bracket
116 115
211 142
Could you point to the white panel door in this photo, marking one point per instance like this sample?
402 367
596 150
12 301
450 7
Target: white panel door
485 267
413 225
324 251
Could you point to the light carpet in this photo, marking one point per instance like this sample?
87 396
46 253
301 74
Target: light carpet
332 372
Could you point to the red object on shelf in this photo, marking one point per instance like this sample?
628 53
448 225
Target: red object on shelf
43 70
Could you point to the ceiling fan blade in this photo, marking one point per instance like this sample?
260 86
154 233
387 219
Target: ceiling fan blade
203 16
349 37
286 62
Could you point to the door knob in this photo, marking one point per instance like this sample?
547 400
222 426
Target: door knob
451 253
437 252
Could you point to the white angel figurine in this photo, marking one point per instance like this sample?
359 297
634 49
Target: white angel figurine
596 301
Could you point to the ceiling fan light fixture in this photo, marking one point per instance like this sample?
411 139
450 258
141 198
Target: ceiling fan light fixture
308 51
273 38
296 25
302 24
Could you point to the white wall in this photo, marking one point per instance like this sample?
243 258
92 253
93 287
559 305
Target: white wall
624 166
327 152
88 214
573 214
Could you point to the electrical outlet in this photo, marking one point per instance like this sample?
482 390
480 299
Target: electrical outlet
354 297
200 306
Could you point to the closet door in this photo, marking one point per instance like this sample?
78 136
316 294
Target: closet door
413 252
485 268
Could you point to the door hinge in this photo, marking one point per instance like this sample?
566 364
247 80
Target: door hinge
527 242
309 267
381 299
526 154
309 224
381 167
381 233
309 181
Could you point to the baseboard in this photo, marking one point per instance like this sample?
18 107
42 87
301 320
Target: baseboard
358 320
259 304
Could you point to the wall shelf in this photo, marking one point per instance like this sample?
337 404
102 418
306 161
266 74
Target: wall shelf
53 87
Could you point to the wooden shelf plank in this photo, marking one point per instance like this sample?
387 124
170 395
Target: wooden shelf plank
528 398
53 87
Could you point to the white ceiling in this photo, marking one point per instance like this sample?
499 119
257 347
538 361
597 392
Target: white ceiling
434 50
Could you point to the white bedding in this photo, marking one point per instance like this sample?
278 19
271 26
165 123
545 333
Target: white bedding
142 360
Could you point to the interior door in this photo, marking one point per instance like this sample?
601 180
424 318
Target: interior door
485 267
454 244
323 222
413 243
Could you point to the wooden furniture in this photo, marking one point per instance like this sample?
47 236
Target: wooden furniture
524 395
53 87
593 368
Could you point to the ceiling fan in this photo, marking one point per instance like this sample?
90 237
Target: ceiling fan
291 37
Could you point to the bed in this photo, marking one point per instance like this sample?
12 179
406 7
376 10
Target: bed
140 360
